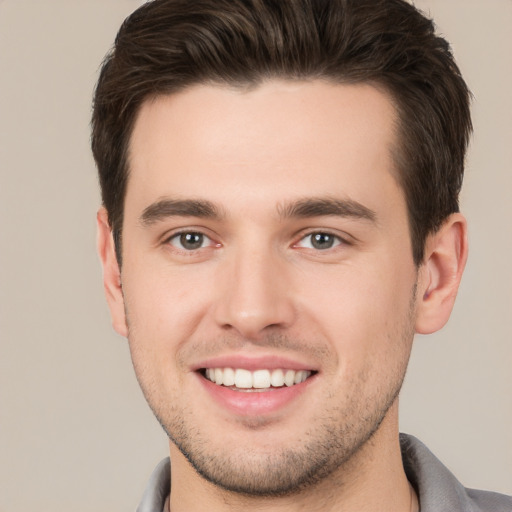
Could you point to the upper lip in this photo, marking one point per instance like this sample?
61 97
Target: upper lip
253 363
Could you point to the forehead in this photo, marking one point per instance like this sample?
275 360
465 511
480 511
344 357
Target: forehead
279 139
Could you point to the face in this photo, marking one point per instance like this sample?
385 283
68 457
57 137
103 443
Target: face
267 280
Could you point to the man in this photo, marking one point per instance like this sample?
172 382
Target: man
280 215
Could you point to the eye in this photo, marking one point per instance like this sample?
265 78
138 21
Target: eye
319 241
189 241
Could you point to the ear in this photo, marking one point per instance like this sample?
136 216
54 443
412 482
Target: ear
111 273
446 252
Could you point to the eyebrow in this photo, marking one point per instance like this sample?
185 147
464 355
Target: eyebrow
165 208
326 206
303 208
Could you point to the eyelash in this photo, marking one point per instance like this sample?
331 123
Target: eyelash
179 235
336 241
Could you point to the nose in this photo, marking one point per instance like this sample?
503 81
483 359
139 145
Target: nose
255 293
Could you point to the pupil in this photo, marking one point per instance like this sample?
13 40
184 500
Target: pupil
191 240
322 241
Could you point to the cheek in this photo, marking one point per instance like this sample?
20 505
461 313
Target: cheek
162 300
166 307
364 312
161 312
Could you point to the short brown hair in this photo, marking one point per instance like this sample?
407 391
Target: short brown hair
167 45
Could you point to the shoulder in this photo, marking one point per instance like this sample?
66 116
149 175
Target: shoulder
438 489
487 501
157 489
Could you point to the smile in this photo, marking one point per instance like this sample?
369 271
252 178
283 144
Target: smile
261 380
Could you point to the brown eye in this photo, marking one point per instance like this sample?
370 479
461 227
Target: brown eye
189 241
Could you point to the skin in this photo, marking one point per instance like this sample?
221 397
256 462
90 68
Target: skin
257 287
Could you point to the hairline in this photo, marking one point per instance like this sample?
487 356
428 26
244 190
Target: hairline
397 149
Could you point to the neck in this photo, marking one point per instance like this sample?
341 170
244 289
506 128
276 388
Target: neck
372 480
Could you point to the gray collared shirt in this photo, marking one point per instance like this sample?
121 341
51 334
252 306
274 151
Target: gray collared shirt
438 490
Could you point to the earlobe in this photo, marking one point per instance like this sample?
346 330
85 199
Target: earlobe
111 273
440 274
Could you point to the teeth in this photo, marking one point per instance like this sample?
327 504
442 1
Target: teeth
228 377
259 379
300 377
277 378
289 378
243 379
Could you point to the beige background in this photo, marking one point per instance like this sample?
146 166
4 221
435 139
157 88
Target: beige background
75 432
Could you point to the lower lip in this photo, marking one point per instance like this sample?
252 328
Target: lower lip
255 403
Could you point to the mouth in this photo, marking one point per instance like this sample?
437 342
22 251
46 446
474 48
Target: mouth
240 379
